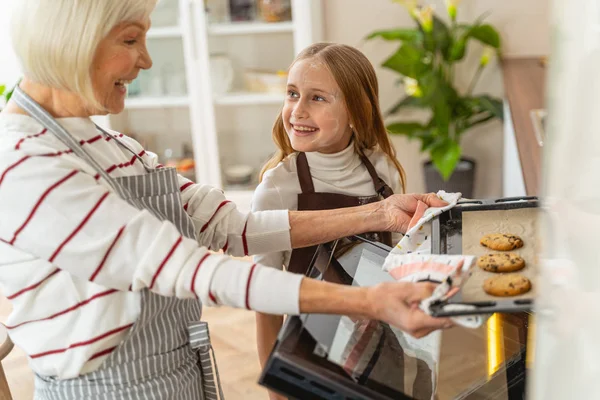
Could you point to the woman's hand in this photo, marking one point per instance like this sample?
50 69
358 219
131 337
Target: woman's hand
400 208
398 304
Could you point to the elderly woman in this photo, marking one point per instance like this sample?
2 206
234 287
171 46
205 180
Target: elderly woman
104 252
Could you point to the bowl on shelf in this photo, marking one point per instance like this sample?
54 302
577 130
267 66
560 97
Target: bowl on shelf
264 81
240 174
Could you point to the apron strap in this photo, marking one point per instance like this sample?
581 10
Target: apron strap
200 342
304 177
126 147
43 117
380 186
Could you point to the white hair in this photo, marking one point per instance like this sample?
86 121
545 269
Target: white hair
55 40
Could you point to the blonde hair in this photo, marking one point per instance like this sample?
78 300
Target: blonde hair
357 80
56 40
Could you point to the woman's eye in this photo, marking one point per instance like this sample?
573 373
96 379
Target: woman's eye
131 42
292 94
319 98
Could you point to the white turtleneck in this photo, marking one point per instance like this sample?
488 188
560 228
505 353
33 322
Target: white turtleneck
342 173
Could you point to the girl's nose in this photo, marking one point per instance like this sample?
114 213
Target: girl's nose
299 111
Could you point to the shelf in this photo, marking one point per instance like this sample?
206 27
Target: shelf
242 28
164 32
157 102
249 98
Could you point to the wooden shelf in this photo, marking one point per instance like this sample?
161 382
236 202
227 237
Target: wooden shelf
164 32
524 85
156 102
243 28
249 98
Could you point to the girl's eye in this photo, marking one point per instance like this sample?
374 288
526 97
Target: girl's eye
292 94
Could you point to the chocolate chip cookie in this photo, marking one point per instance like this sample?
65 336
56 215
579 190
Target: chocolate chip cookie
507 285
501 241
501 262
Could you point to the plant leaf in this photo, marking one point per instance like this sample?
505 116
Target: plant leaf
440 97
408 101
439 39
9 94
486 34
2 89
492 105
445 155
457 51
410 129
478 104
407 61
403 34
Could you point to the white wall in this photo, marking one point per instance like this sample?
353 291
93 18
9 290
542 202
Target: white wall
524 30
9 69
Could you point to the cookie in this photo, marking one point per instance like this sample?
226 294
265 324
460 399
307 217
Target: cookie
501 241
501 262
507 285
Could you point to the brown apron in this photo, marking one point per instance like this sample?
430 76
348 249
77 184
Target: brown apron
309 200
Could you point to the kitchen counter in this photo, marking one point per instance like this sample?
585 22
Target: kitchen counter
524 83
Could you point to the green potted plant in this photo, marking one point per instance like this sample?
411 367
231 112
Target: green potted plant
4 95
426 59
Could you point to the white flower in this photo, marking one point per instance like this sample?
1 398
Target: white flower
411 87
488 53
451 7
425 17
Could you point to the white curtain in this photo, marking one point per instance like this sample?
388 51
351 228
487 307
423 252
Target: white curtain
567 356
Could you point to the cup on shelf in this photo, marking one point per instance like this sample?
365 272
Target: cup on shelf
221 73
275 10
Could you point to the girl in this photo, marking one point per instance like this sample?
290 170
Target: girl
334 151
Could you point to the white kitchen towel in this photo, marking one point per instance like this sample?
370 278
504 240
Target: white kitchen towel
411 259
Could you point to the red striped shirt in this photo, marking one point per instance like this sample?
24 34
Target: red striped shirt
248 286
107 254
39 202
193 285
10 167
126 164
244 241
165 261
102 353
20 142
84 343
35 285
78 228
213 216
65 311
185 186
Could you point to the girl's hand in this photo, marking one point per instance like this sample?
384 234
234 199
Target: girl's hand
399 209
398 305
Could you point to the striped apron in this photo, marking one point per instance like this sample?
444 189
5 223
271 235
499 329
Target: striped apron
167 353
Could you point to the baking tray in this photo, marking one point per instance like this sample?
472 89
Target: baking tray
458 230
